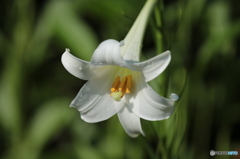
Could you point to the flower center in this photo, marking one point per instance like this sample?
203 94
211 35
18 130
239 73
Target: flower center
119 88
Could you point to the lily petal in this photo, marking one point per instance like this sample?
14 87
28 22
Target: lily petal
154 66
147 104
130 121
77 67
93 100
107 53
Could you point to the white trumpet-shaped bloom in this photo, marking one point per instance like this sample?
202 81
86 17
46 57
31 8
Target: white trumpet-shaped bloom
117 81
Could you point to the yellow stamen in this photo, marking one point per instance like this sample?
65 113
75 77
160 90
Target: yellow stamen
119 88
115 84
122 84
129 84
118 84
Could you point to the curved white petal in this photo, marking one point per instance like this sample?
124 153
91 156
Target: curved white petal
77 67
147 104
93 100
155 66
130 121
107 53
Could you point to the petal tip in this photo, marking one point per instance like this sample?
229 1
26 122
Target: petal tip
168 52
84 118
67 50
135 135
174 96
72 105
65 56
77 67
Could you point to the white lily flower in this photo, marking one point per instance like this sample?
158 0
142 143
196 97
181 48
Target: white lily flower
117 81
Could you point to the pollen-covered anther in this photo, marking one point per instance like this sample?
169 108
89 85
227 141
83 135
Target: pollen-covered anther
122 84
129 84
115 84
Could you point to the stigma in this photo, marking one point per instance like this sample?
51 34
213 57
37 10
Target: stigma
120 87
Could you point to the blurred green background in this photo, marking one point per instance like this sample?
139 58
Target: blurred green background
36 90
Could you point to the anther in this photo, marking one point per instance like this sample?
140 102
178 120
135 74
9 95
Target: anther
115 84
129 84
123 90
122 84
